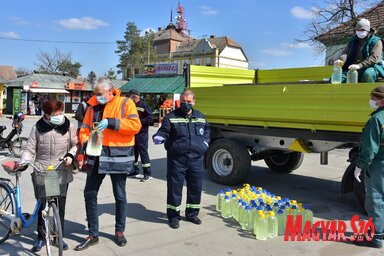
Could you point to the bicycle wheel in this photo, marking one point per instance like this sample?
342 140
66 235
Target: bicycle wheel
7 204
54 235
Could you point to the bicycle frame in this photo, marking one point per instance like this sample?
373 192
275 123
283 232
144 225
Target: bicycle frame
26 222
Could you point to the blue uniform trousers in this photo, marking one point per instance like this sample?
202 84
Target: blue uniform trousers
180 168
141 149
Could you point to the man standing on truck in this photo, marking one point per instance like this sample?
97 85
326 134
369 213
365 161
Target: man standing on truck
185 133
371 160
363 53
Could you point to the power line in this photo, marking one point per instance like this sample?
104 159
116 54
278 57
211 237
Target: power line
55 41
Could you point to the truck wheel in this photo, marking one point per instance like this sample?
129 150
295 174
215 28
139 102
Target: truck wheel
285 162
228 162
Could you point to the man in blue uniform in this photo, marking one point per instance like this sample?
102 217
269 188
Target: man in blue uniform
141 139
185 133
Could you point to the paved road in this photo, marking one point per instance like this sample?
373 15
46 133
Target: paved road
147 230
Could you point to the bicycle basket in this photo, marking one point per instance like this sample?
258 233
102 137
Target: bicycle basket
49 184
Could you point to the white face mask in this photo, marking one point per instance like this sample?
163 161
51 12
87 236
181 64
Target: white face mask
372 104
57 120
102 100
361 34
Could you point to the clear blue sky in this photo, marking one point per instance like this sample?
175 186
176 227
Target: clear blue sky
266 30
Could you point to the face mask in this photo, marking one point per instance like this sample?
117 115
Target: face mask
57 120
361 34
373 105
185 107
102 100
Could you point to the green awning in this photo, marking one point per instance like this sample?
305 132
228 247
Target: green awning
150 84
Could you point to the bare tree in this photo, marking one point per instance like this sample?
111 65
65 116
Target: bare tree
331 14
22 71
51 62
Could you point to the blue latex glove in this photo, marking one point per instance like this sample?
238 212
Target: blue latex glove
102 125
158 140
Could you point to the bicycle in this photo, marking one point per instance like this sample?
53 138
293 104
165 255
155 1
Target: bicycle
47 190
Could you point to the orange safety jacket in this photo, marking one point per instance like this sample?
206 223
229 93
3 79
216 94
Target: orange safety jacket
117 155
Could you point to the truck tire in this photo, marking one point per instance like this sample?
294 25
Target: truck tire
285 162
228 162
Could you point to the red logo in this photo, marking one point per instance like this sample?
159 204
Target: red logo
330 230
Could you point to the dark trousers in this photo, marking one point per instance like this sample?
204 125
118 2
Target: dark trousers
92 186
40 221
180 168
141 148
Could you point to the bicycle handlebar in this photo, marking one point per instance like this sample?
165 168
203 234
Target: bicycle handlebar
61 160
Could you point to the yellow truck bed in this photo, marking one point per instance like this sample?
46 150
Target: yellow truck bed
278 99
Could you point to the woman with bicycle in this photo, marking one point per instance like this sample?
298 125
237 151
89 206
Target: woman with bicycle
52 138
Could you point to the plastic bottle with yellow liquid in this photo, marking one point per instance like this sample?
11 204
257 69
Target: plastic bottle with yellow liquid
95 142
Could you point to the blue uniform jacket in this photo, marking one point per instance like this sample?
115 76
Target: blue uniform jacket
185 135
145 116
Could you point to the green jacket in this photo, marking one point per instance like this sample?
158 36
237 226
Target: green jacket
366 49
372 141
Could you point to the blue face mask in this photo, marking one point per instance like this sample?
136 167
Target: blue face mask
102 100
57 120
185 107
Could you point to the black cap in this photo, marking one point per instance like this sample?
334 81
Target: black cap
134 92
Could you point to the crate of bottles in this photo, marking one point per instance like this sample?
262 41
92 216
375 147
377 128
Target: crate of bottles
259 211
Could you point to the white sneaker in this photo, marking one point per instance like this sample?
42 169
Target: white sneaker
146 178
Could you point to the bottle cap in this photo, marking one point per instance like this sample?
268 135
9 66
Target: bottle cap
280 211
271 213
50 167
248 208
226 197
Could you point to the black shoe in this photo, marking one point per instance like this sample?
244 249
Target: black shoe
146 178
367 243
120 239
88 242
40 243
174 224
65 246
194 220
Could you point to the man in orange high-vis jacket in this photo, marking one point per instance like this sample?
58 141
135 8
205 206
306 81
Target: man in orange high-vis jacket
118 119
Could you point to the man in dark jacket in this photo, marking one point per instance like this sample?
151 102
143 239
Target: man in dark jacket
185 133
141 139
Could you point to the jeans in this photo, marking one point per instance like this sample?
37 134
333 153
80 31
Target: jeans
91 190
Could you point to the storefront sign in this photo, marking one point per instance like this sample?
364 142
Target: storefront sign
161 69
34 84
16 100
23 103
76 86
